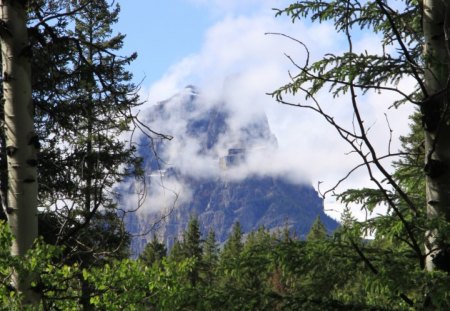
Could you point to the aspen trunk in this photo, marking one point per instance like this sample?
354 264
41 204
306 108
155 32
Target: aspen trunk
436 112
21 140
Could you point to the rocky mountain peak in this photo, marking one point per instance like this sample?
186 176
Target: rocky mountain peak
214 169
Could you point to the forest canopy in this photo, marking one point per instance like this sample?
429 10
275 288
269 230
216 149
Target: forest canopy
67 98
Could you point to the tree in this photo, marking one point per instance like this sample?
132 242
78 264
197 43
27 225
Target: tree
192 242
210 257
230 259
192 248
153 252
317 231
19 195
417 31
176 253
72 109
234 245
89 116
436 116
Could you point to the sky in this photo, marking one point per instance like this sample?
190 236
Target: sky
221 46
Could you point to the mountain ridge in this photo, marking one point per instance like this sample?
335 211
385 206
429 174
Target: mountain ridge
219 165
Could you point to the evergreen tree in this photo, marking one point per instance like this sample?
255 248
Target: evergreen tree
210 257
176 253
153 252
416 29
192 248
89 118
317 232
192 243
82 97
232 248
230 263
210 248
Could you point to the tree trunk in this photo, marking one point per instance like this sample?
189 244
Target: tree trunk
436 114
21 140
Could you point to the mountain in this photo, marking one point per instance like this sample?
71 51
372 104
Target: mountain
219 168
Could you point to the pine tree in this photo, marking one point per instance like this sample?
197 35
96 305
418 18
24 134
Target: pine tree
417 31
232 248
210 257
192 248
84 99
318 232
153 252
230 259
210 248
176 253
192 243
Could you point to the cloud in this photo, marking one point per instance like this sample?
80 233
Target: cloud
239 46
158 194
238 64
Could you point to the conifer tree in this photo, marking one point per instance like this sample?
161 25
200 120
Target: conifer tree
318 232
233 246
417 30
82 97
89 117
192 248
176 253
210 257
192 243
153 252
230 258
210 248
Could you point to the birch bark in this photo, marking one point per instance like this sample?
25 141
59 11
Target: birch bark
21 140
436 113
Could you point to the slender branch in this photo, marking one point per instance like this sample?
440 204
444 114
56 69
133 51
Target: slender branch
390 133
405 51
43 20
390 180
356 85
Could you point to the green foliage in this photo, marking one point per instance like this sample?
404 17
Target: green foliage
211 249
366 71
153 252
83 97
82 102
271 272
233 246
210 258
176 253
192 243
389 268
317 232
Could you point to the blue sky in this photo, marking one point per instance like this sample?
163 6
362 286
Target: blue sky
162 32
221 46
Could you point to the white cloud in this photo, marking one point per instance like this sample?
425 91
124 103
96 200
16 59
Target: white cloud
238 63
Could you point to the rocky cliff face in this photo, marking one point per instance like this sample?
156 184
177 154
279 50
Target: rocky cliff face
214 169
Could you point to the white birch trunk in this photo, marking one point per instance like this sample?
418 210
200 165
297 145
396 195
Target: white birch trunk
21 140
437 141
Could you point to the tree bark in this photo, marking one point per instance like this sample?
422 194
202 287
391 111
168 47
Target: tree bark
436 114
21 140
